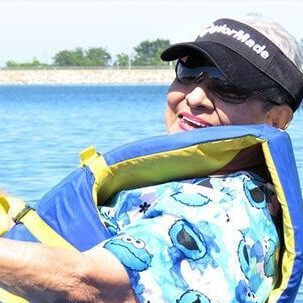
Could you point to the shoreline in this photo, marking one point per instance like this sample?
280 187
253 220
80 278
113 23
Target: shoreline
87 76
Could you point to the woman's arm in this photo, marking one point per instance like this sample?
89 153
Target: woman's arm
41 273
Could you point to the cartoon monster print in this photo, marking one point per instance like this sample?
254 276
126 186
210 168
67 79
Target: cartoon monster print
134 256
249 255
244 293
188 244
255 192
107 217
189 241
270 257
223 185
217 183
131 252
193 296
126 201
191 199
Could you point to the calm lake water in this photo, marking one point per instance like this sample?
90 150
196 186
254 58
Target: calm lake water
44 127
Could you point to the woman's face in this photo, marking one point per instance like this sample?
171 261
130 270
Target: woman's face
193 106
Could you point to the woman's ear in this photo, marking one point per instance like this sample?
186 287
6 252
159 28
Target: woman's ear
279 116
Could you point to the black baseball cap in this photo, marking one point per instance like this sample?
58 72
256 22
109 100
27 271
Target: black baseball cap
247 58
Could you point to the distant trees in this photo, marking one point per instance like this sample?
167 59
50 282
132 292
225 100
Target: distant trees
69 58
96 56
147 53
35 63
122 60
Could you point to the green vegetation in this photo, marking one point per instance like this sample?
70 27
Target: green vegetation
35 64
79 57
122 60
147 53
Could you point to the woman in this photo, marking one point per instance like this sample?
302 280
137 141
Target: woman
210 91
200 240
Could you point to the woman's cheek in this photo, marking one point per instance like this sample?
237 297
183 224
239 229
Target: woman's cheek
170 117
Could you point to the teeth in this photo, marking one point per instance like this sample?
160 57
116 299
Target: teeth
192 122
195 123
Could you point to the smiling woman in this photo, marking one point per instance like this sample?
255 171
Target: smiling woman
189 108
173 204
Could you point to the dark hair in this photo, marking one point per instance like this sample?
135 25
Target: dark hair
272 96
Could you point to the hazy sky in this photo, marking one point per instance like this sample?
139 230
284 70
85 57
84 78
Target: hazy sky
43 27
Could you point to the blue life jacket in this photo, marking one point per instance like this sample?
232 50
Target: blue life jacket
67 216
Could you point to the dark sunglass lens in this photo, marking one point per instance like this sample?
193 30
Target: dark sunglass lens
188 74
227 92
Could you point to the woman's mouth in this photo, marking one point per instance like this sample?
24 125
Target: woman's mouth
189 122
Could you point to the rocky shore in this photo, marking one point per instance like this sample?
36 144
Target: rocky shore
86 76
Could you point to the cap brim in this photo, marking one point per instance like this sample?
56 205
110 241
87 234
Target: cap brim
234 67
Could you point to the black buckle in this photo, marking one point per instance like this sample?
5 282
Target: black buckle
21 214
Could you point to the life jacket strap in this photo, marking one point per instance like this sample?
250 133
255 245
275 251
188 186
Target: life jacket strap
98 166
41 230
21 214
37 227
9 208
28 216
88 155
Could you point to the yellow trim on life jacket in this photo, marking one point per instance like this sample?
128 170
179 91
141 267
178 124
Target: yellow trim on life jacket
11 207
193 161
41 230
7 297
35 224
289 250
98 166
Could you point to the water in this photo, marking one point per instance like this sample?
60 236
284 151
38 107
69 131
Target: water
44 127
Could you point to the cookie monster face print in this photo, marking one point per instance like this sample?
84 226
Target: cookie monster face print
184 237
191 199
254 191
131 252
249 255
244 257
193 296
197 241
244 294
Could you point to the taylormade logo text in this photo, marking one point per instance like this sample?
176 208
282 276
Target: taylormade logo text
240 36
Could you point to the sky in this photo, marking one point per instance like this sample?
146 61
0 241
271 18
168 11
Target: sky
41 28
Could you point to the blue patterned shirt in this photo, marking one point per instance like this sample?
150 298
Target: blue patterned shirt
202 240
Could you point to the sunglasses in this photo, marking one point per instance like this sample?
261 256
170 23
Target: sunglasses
215 81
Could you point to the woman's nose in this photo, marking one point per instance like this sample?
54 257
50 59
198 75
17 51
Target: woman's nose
197 98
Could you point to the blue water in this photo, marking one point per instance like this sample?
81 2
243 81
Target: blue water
44 127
